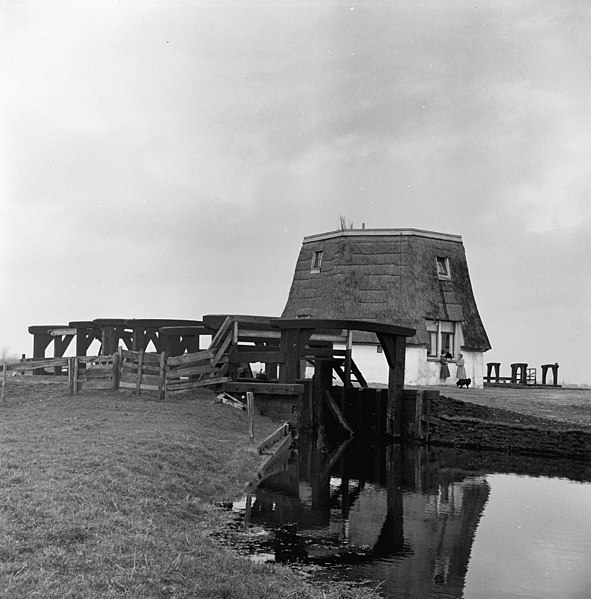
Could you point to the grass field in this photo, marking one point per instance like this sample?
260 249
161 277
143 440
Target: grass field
106 494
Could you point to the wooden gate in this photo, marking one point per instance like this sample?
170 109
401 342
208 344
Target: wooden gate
94 372
191 371
142 371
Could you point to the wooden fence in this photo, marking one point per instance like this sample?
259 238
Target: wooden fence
141 371
34 365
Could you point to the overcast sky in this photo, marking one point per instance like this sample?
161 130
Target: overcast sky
166 159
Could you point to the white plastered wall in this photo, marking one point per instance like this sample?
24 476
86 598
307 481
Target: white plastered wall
418 370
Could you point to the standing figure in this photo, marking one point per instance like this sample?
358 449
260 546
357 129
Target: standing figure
461 371
444 371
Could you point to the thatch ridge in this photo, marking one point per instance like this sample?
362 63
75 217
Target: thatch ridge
388 276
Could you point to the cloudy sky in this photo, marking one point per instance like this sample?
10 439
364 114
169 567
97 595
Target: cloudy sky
165 159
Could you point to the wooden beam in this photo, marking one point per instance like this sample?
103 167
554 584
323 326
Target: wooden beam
84 337
264 388
276 462
61 344
323 352
293 342
239 355
321 383
62 332
332 460
395 350
332 404
339 370
200 356
348 353
194 384
223 348
343 324
360 378
220 333
281 432
138 335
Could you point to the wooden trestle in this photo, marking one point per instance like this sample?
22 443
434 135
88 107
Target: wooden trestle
166 334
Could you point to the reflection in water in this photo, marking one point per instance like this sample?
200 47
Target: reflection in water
404 517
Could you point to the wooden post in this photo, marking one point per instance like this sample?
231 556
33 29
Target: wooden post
166 371
3 393
391 539
116 363
250 408
60 345
293 342
40 343
395 349
348 358
75 375
419 427
321 383
71 375
140 365
161 375
247 510
84 337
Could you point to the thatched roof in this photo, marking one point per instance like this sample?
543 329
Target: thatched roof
387 275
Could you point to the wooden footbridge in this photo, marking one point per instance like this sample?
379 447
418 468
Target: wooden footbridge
252 354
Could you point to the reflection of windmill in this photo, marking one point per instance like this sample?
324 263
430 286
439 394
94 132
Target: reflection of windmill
399 518
432 516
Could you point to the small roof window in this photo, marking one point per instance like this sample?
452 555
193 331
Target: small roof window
316 261
443 271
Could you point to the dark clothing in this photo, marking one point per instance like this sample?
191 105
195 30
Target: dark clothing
444 372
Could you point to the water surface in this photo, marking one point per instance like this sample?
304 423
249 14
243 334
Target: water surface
429 524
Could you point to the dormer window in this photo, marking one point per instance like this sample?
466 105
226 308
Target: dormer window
316 261
443 271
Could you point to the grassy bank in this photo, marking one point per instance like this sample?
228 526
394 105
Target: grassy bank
559 406
107 494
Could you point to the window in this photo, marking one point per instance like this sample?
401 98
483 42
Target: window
442 337
443 271
316 261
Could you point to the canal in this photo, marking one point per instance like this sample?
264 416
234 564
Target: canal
427 523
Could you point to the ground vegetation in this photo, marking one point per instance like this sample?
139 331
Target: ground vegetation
107 494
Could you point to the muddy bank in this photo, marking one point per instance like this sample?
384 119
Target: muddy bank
474 426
